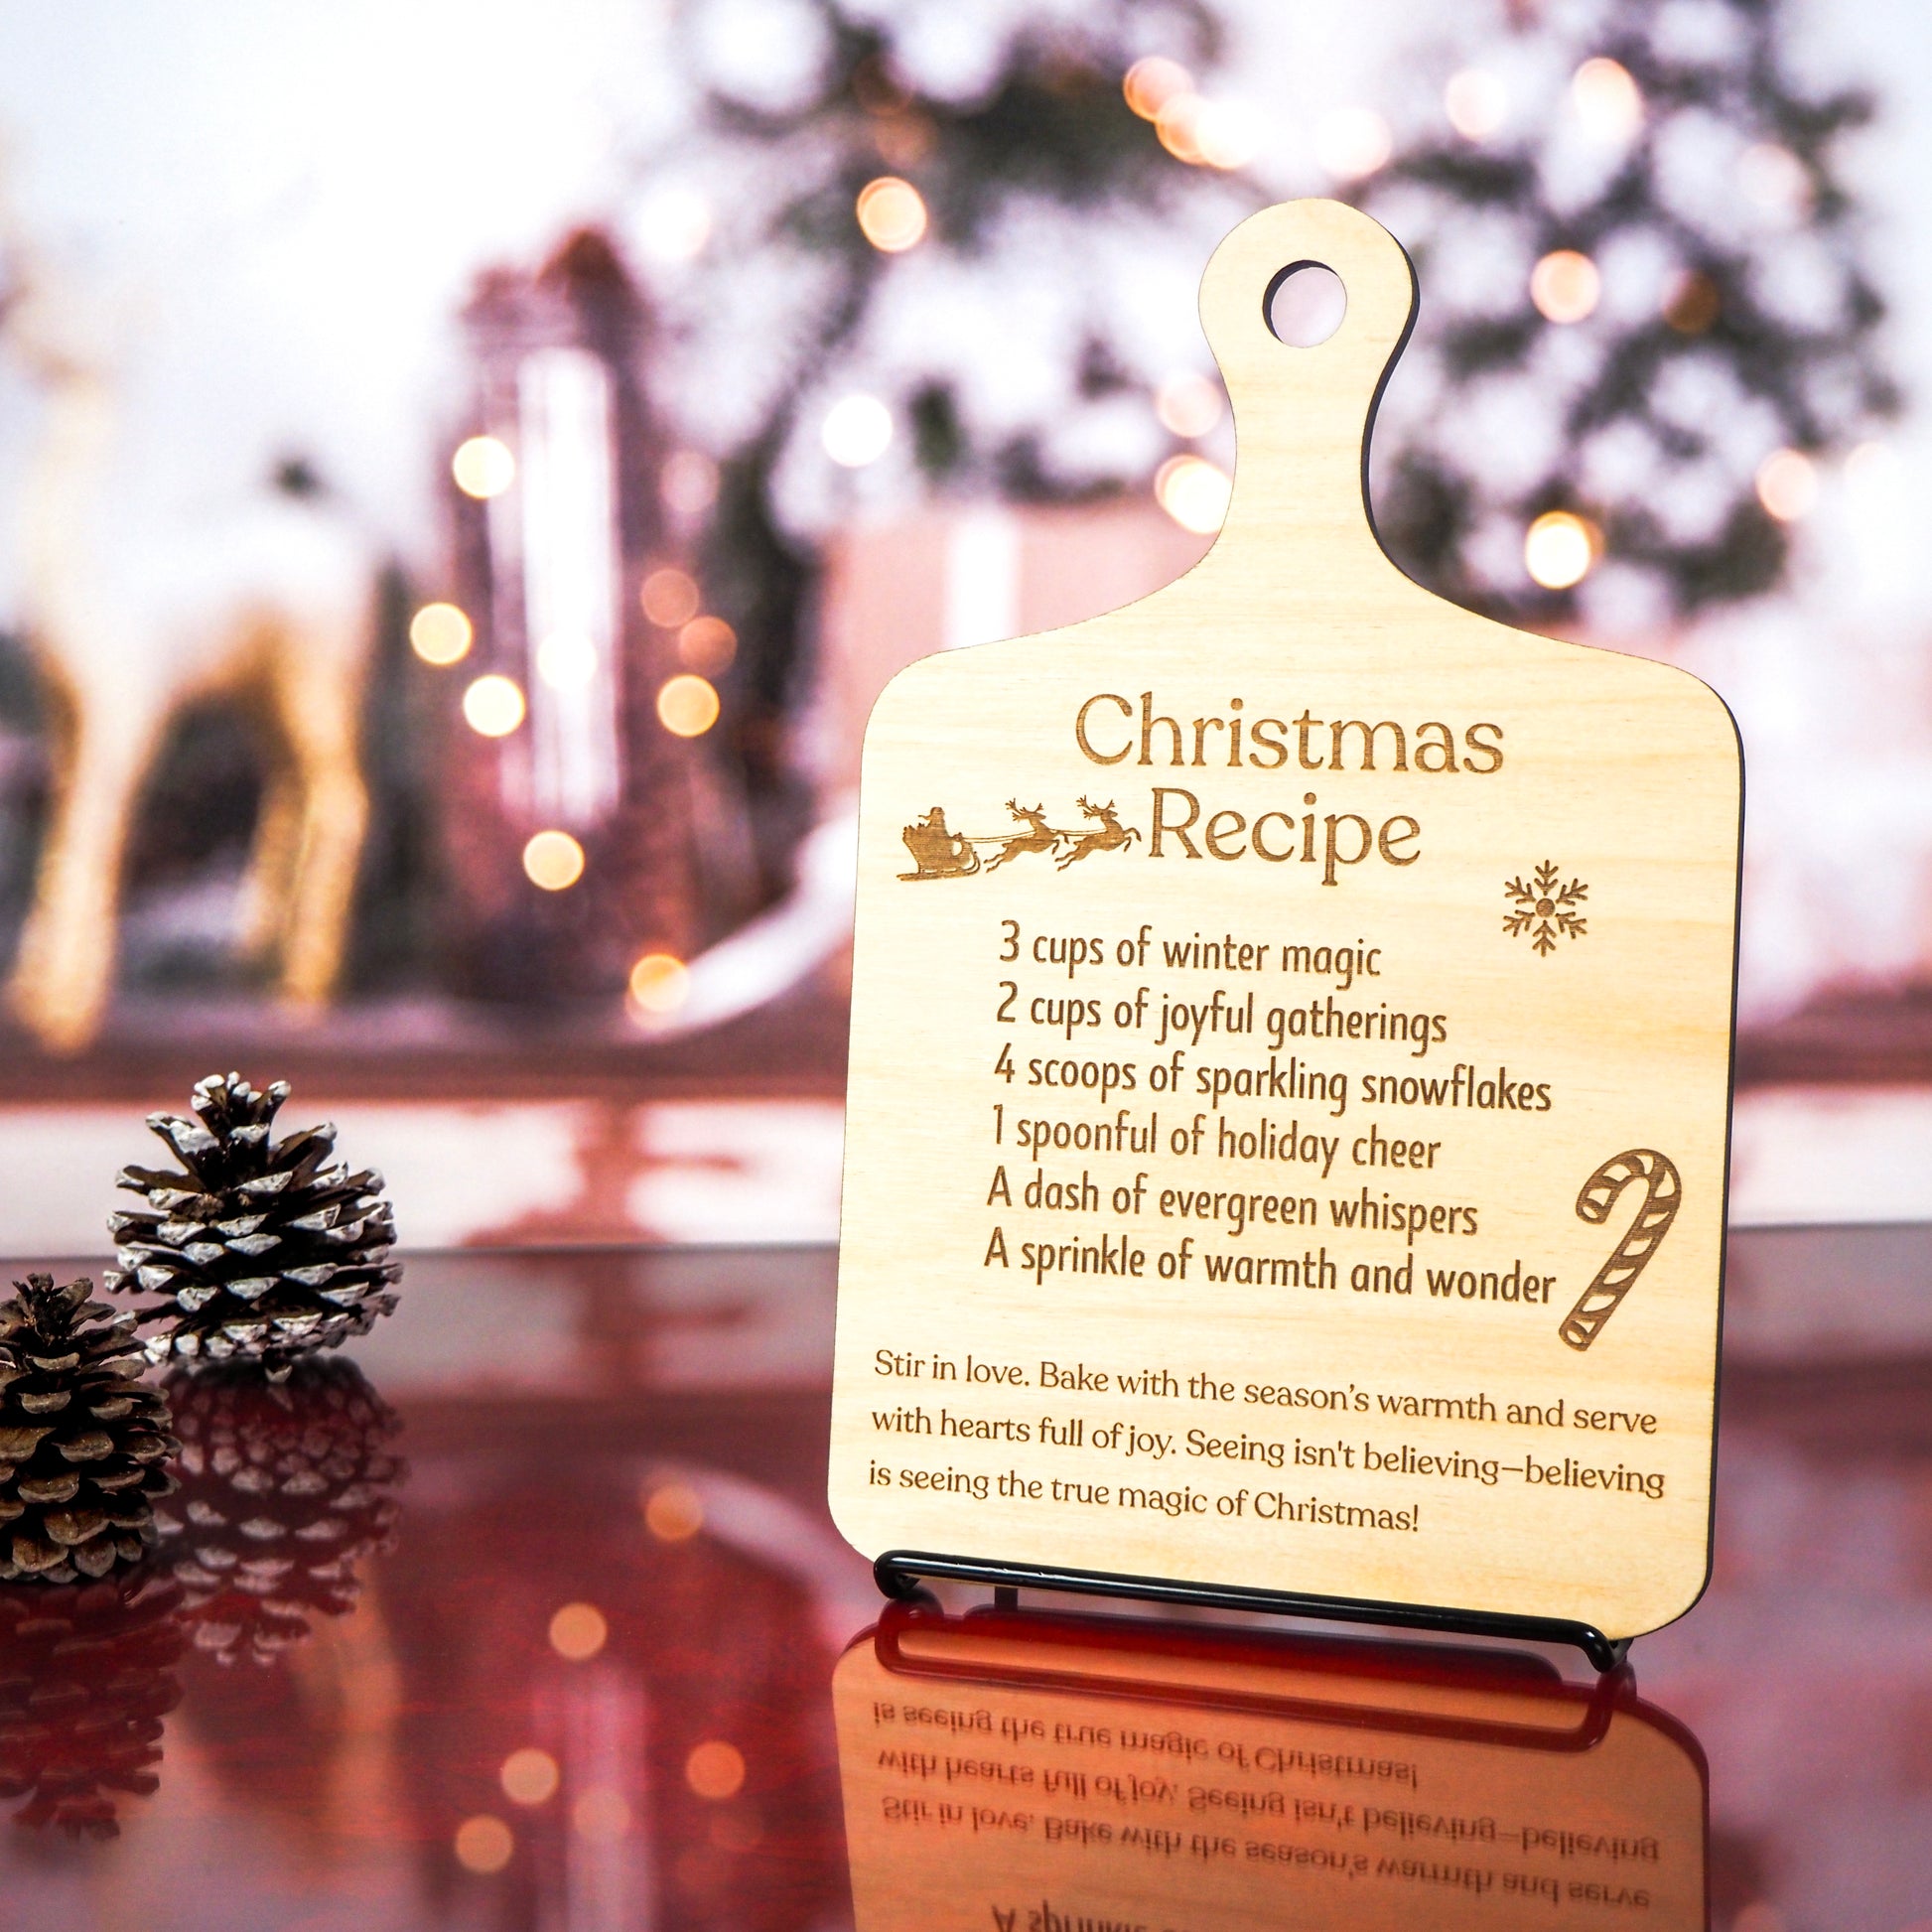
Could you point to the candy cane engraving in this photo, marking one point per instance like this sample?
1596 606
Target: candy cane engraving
1617 1276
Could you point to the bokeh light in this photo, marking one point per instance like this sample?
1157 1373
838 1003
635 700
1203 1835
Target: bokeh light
483 1844
858 430
1774 182
1873 465
530 1776
707 646
1154 81
1194 493
1176 125
578 1632
601 1815
1228 133
670 597
553 861
715 1770
1565 286
902 140
566 660
688 483
736 1830
1692 304
1609 101
483 467
1352 142
659 983
492 706
1559 549
441 635
674 223
891 215
687 704
1189 404
674 1512
1476 102
1787 485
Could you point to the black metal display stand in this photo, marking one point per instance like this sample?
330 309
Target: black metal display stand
899 1572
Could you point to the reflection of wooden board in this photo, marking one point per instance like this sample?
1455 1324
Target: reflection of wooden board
1018 1770
1291 1065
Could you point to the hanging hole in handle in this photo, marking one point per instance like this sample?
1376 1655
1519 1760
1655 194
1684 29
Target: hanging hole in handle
1304 305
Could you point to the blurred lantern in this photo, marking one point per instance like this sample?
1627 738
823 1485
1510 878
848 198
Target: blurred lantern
570 831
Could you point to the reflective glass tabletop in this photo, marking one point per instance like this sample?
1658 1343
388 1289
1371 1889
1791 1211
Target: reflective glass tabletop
531 1617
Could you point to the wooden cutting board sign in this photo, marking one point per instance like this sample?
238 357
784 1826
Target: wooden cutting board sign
1291 1053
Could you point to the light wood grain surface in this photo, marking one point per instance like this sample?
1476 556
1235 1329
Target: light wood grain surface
1372 1248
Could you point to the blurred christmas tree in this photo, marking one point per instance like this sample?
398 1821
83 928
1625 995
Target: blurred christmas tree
947 248
1644 319
943 248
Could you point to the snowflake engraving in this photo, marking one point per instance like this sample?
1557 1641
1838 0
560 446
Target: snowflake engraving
1545 909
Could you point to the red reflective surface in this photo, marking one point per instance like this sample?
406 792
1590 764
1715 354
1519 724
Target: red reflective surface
558 1651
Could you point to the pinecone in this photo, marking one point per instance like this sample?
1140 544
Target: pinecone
82 1444
263 1248
285 1486
85 1675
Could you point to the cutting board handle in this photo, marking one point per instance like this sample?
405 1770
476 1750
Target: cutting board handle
1302 415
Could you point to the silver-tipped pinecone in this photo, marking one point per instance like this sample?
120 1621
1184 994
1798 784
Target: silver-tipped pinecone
83 1446
257 1248
284 1487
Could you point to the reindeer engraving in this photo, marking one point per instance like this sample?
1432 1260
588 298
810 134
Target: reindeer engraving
1109 836
1039 837
134 599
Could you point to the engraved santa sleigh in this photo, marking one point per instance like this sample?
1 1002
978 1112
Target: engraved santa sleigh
939 853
